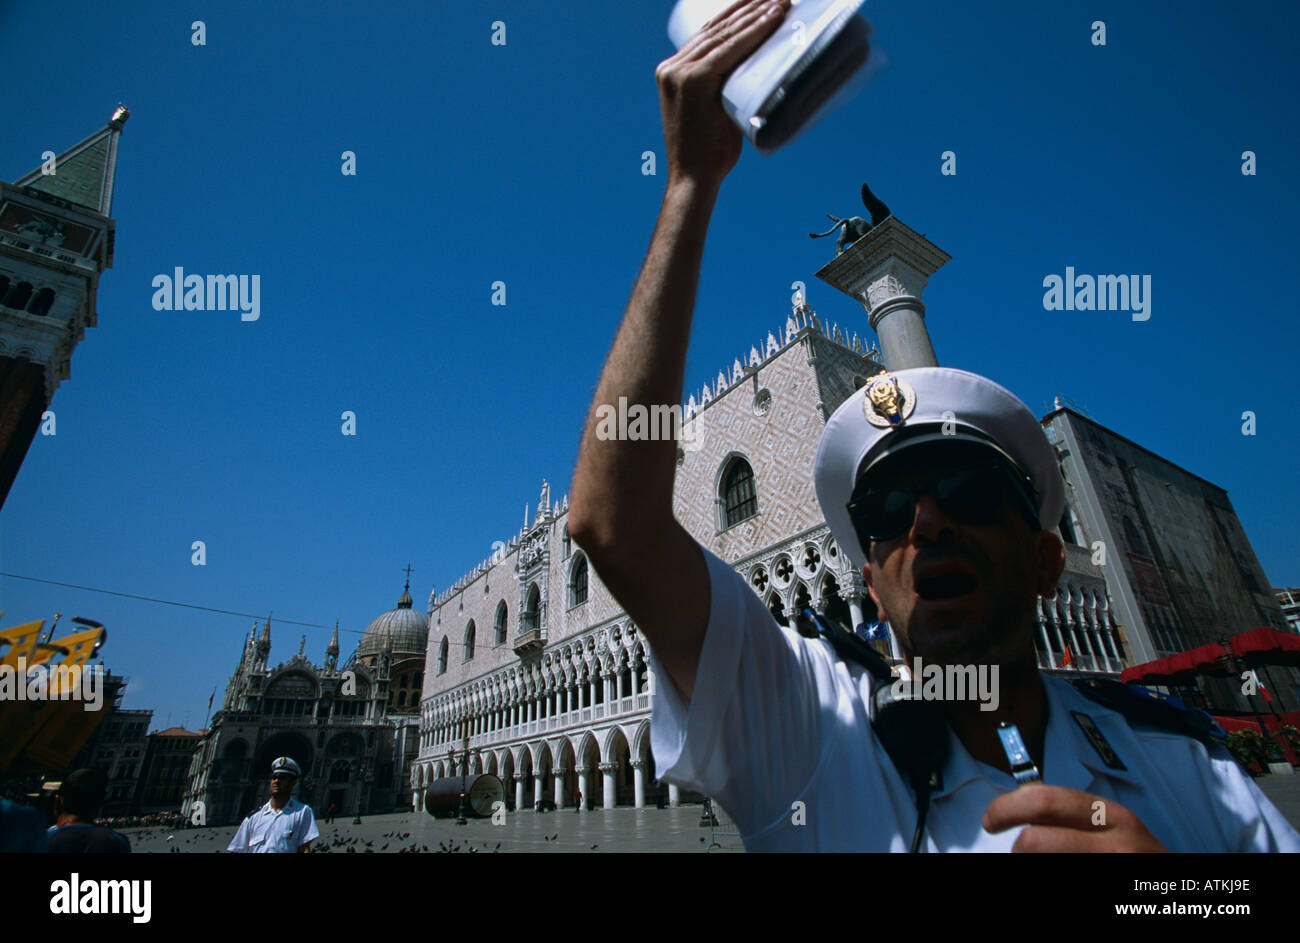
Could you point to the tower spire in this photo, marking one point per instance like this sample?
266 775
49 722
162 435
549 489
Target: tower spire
84 173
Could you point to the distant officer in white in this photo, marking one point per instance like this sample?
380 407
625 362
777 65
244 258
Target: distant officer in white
951 521
282 826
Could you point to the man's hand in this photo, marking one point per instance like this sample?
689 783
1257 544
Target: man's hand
1061 819
702 143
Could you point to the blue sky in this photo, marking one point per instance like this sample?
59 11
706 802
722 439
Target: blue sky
523 163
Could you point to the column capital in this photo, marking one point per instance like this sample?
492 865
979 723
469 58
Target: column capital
609 767
638 764
891 260
887 271
852 585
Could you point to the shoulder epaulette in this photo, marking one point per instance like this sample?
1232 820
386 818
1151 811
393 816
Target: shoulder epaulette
1138 705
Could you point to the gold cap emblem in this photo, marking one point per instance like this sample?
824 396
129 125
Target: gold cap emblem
888 401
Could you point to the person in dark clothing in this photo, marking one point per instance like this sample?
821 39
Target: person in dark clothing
75 807
22 829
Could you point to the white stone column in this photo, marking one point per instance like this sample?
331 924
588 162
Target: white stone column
638 783
519 791
582 780
611 787
538 786
559 787
855 611
887 270
674 795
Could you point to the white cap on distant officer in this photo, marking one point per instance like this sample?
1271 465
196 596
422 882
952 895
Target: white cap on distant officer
927 404
285 764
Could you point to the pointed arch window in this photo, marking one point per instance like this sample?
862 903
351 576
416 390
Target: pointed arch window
442 656
739 498
469 640
530 620
578 582
499 629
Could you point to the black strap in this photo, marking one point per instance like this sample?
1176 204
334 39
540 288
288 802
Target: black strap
913 732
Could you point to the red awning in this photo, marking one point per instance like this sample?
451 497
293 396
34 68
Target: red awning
1263 646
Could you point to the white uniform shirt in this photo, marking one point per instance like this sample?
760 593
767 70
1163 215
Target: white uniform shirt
268 831
778 719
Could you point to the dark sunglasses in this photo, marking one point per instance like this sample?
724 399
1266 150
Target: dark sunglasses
283 776
973 495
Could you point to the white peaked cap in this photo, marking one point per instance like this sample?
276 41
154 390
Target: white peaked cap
973 408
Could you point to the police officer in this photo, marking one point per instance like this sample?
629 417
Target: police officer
941 485
282 826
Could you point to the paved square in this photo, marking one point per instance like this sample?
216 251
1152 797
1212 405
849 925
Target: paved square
612 830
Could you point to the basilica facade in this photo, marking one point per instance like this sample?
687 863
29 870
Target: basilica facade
352 728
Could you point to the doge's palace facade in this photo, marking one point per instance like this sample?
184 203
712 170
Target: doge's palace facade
536 673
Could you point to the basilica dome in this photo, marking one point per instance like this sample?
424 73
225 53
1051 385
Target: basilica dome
403 627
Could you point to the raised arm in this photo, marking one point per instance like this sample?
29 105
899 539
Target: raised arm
620 509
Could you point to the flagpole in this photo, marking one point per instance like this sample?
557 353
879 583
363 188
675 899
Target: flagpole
1276 690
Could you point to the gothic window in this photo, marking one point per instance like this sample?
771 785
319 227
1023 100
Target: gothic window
442 656
578 582
566 543
802 599
499 634
775 607
531 619
739 499
469 640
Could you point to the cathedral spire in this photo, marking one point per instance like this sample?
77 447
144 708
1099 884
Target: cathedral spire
332 650
264 643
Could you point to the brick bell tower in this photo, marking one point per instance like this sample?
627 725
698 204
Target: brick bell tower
56 237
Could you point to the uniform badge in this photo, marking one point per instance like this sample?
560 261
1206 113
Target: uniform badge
1099 742
888 401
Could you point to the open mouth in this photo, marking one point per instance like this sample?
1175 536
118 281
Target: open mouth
948 584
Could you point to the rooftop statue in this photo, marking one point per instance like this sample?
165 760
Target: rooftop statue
855 227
